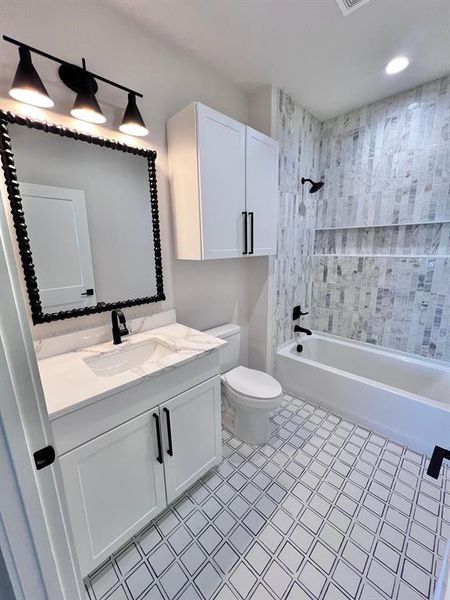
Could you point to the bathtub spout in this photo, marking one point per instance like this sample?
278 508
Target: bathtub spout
298 329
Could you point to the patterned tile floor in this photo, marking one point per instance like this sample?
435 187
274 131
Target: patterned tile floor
326 510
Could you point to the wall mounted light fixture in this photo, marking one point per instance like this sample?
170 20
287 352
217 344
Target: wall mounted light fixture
86 107
132 122
27 87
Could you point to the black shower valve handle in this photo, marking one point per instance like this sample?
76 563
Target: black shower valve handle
297 313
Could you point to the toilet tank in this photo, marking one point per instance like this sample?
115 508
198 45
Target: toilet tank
229 354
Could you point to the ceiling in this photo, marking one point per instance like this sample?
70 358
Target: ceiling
329 63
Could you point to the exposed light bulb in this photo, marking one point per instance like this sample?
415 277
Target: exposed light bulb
86 114
133 129
31 97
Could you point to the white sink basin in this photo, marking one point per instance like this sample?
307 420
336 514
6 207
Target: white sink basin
127 358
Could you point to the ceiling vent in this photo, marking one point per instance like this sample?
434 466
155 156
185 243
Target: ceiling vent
348 6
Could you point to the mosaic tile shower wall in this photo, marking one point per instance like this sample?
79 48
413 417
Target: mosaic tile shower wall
400 303
387 164
299 135
378 267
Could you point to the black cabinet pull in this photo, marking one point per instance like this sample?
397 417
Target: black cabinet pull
244 212
439 454
44 457
251 233
158 439
88 292
169 432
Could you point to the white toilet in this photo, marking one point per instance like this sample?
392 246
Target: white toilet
248 396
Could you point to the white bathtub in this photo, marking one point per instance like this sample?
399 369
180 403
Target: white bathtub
404 396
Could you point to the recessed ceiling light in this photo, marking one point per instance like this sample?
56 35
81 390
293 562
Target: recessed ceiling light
397 64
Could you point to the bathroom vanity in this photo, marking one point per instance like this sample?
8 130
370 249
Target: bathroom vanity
135 425
136 422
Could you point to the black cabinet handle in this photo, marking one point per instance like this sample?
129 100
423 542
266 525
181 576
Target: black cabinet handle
244 212
169 432
88 292
158 438
439 454
44 457
251 232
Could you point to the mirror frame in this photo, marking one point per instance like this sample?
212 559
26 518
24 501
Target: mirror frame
15 201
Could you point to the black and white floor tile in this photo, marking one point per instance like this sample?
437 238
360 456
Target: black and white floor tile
327 510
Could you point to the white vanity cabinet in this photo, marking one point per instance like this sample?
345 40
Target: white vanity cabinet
224 186
126 475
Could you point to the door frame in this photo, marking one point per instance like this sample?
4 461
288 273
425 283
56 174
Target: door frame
34 529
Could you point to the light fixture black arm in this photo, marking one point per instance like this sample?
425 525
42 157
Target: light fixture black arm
64 62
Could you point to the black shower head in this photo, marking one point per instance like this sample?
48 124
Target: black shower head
315 185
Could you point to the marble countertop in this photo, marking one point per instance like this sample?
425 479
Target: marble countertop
70 382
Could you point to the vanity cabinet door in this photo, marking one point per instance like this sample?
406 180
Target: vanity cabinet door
262 192
114 486
192 422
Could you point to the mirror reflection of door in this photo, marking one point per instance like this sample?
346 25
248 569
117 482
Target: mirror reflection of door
58 229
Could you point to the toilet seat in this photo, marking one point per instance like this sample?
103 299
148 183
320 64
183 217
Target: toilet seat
253 387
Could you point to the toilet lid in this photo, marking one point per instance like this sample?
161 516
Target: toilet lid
255 384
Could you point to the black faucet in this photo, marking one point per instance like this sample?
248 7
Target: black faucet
298 329
296 314
118 318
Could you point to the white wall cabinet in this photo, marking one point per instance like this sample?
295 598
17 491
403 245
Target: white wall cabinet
117 482
224 186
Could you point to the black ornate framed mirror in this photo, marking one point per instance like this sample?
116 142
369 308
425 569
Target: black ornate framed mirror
85 213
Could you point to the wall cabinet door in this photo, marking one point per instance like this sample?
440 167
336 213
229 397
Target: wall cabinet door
221 155
114 486
192 435
262 192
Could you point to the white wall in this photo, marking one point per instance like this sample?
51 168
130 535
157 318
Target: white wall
263 116
169 79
